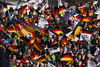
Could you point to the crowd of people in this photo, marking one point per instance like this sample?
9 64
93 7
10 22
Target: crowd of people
72 53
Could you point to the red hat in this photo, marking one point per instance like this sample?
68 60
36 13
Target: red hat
47 10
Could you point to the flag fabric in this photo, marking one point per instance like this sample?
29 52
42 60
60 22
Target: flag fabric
93 4
98 17
61 9
60 3
63 40
69 35
11 30
35 55
44 32
87 58
90 25
39 46
12 48
39 59
81 8
24 39
87 31
37 36
90 12
66 57
79 17
22 29
1 26
54 42
5 6
84 14
87 19
77 31
91 62
42 23
85 37
22 9
54 50
56 31
32 40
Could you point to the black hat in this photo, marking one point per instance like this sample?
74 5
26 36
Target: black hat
60 34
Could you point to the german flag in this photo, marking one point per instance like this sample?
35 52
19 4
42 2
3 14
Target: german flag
1 26
22 28
71 18
77 31
79 17
32 40
86 31
83 14
66 57
54 42
30 19
44 32
81 8
93 4
91 25
40 59
87 19
70 36
38 46
12 48
6 7
61 9
22 9
35 55
37 36
56 31
90 13
24 39
63 41
11 30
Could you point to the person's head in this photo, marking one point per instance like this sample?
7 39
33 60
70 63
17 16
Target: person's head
34 65
60 36
45 65
14 56
79 63
79 56
15 36
58 20
96 46
61 50
24 55
29 51
42 4
96 41
69 45
32 6
30 13
17 62
71 23
3 19
27 62
42 12
89 52
48 11
21 65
